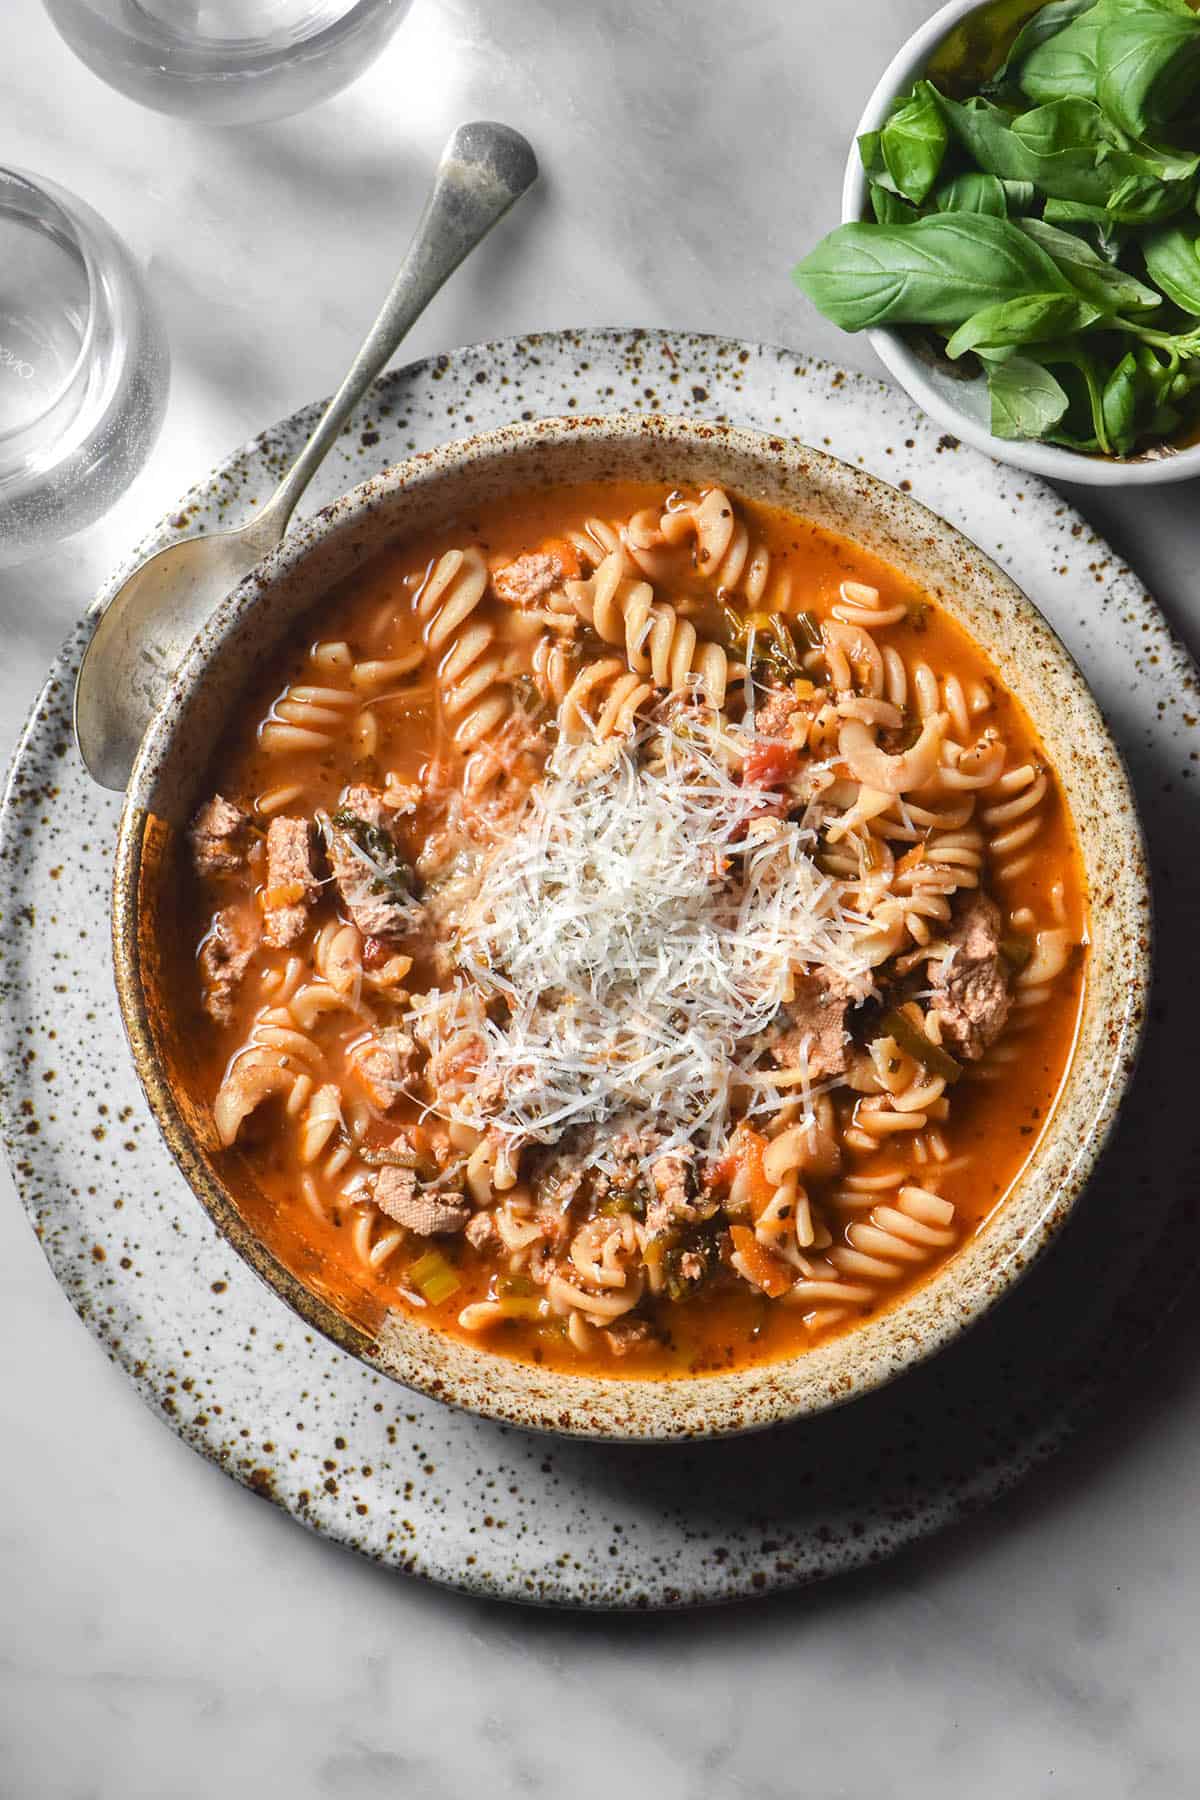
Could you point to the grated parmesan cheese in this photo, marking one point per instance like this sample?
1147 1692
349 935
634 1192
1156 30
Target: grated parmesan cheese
629 945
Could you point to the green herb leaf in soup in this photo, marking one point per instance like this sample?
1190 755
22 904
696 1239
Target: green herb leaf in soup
1023 321
1026 400
1173 264
913 144
936 272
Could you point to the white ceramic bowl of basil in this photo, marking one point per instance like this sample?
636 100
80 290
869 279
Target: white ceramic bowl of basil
959 401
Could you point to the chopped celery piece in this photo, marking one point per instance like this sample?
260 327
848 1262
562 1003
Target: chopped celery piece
519 1307
914 1043
806 627
433 1277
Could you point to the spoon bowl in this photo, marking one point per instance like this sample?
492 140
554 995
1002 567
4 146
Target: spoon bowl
141 638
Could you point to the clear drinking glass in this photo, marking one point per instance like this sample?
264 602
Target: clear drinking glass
84 368
228 62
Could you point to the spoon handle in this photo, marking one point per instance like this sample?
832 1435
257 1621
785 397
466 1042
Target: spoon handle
485 167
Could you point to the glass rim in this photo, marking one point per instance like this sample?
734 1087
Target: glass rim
190 53
53 209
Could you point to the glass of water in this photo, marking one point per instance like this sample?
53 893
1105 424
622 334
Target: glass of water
228 62
84 369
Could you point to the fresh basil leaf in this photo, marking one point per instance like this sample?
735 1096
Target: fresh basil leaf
1069 124
1092 223
1066 62
973 192
936 272
1082 427
1142 200
1026 399
1065 56
1082 446
1171 166
1148 63
1069 151
1119 403
1163 423
1141 398
1020 196
1099 281
1074 212
913 144
1173 264
1175 384
1023 321
871 155
1046 25
889 208
1164 380
1065 67
987 134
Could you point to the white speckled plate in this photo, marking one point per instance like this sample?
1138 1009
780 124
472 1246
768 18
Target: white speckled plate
482 1506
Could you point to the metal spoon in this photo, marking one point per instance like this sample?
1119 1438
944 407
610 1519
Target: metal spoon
143 633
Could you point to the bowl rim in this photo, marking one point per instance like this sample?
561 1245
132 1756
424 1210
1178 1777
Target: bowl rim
1051 460
756 1395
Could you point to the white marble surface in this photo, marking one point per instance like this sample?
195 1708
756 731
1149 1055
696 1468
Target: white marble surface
162 1632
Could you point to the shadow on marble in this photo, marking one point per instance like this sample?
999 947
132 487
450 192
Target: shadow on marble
1149 540
237 345
1149 1400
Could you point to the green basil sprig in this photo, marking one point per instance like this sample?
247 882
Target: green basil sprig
913 143
937 271
1045 227
1173 264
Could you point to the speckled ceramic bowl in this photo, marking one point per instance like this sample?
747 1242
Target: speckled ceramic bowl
167 783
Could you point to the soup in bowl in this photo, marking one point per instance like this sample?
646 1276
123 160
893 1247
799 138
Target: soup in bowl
632 927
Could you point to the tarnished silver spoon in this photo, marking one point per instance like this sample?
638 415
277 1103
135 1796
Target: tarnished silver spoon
143 633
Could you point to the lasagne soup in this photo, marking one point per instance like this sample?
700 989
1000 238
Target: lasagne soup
636 932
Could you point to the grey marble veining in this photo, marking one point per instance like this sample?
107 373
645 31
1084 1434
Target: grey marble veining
163 1633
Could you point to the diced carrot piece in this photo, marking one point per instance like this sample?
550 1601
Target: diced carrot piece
758 1265
744 1151
377 1072
910 859
749 1146
567 556
769 765
286 894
